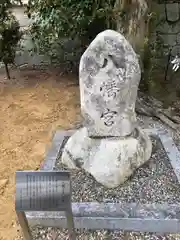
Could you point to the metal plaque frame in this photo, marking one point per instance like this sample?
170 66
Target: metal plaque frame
43 191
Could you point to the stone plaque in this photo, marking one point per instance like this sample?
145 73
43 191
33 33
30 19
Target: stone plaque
42 191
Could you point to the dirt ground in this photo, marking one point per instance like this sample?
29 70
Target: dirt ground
32 106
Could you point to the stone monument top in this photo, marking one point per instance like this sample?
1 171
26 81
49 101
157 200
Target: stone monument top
109 77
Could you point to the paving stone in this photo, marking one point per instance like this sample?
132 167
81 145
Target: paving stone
172 11
160 10
167 28
170 39
178 38
175 51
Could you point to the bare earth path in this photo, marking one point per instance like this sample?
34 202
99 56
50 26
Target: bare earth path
32 106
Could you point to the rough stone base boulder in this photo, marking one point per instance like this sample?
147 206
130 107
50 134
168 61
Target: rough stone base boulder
111 161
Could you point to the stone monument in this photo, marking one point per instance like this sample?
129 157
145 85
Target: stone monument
110 146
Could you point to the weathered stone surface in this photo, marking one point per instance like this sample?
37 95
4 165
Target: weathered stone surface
172 12
109 79
110 160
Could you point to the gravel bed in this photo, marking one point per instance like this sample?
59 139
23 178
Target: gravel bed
149 122
154 182
40 233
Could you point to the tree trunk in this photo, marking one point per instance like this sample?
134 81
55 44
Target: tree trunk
7 71
21 3
132 22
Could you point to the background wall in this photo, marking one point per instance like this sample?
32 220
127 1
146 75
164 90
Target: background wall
24 54
164 45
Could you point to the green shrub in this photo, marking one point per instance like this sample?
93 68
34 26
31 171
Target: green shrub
55 21
9 34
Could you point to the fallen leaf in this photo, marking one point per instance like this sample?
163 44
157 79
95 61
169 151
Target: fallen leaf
3 184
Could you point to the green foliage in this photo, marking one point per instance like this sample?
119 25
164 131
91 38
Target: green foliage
17 2
9 34
55 20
